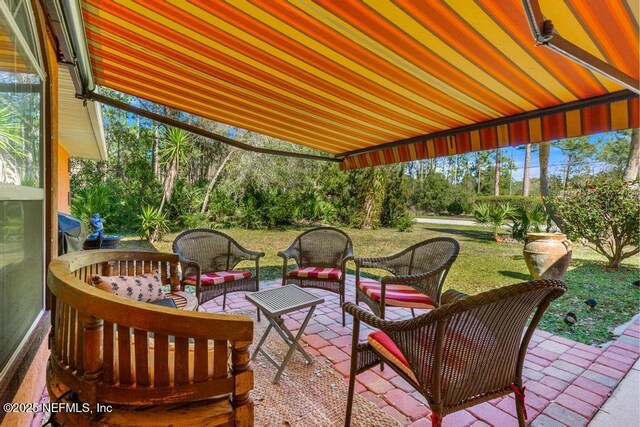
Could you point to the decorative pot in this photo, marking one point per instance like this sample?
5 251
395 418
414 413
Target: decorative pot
547 255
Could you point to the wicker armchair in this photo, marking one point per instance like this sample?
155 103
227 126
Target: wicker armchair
418 272
321 256
469 350
208 258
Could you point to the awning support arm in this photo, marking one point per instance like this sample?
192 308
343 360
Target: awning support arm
543 33
199 131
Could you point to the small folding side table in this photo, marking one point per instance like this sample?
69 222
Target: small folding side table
276 302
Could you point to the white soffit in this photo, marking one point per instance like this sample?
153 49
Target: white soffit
80 129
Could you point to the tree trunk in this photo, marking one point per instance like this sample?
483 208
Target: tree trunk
479 173
568 172
214 179
543 156
155 153
169 182
633 163
526 180
496 183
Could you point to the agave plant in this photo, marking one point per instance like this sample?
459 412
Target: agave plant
494 216
153 224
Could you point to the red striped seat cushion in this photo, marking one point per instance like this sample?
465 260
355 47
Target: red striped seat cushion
387 348
396 295
317 272
209 279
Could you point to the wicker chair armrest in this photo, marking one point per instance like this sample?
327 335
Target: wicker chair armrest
412 278
348 256
365 316
452 296
379 262
424 320
251 255
190 263
290 252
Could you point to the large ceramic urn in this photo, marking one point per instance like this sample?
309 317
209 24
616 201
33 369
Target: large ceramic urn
547 255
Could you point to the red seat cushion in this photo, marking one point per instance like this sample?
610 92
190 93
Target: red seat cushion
209 279
387 348
396 295
317 272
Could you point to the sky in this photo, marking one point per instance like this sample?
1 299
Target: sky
556 160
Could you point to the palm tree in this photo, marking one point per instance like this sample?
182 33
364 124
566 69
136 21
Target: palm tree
11 146
176 142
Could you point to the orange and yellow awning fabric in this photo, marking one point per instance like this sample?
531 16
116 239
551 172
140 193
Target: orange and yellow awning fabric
375 82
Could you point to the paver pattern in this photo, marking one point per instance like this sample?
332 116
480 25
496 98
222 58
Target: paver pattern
566 382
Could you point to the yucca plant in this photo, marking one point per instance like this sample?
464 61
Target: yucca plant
153 224
493 216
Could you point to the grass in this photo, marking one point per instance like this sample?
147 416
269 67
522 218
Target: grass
482 265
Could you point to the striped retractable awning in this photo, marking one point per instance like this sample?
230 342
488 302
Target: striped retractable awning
374 81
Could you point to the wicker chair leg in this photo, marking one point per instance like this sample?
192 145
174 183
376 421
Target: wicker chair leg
413 313
353 371
224 300
436 419
521 409
344 323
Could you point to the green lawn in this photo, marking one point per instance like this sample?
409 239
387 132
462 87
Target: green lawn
481 265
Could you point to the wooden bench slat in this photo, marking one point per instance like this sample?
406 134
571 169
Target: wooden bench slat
124 355
141 357
108 339
220 359
201 360
161 360
181 368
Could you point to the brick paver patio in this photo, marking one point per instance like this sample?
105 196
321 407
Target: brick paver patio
566 381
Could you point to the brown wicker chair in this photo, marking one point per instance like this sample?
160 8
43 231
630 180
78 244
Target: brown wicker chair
469 350
321 256
418 272
208 258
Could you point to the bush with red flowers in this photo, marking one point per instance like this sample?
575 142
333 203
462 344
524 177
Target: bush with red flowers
604 216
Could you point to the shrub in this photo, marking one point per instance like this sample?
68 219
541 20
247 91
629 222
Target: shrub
95 199
434 195
606 216
405 223
516 202
493 216
524 221
153 224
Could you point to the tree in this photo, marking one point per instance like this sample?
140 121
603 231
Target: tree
172 154
526 173
577 151
606 216
633 163
543 158
496 182
614 152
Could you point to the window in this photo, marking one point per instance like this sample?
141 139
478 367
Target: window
21 177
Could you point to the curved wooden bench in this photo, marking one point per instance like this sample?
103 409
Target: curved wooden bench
155 365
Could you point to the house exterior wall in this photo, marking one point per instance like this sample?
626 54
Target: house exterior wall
24 376
64 191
